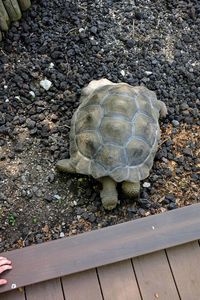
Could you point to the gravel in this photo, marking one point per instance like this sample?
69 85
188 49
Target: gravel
67 44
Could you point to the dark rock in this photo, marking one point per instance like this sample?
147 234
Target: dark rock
130 43
132 209
48 198
30 123
187 151
170 198
195 177
144 203
94 29
51 177
92 218
19 147
172 206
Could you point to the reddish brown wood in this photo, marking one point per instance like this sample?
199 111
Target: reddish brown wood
14 295
104 246
82 286
154 277
118 281
185 264
47 290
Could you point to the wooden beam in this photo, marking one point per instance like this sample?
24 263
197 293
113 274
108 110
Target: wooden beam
104 246
13 9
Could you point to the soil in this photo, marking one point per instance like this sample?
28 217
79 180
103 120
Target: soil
151 43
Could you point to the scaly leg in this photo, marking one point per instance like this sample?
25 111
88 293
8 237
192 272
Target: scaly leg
109 196
131 189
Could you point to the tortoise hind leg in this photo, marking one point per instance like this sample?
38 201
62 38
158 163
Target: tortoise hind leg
131 189
65 165
109 196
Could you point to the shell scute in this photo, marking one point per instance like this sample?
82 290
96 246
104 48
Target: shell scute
88 143
115 131
120 105
111 156
88 118
145 128
137 151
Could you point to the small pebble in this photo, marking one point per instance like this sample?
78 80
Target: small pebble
146 184
32 94
46 84
175 123
62 235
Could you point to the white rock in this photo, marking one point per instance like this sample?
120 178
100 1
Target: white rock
57 197
5 87
122 72
175 123
81 30
17 97
148 73
46 84
7 100
146 184
62 234
51 65
32 94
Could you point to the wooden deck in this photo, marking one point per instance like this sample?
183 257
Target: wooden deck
151 258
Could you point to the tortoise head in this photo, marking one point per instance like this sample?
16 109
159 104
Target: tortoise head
95 84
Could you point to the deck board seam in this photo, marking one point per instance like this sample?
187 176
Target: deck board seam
173 276
137 281
99 281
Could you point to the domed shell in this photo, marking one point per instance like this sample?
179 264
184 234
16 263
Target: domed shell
115 132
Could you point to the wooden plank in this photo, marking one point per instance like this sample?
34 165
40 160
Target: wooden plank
184 261
48 290
81 286
118 281
13 9
4 18
24 4
13 295
154 277
103 246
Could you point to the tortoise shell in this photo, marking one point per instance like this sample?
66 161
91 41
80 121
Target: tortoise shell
115 132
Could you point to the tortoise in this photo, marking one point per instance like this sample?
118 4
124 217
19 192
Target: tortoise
114 137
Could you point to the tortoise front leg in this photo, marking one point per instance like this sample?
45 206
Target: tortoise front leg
109 196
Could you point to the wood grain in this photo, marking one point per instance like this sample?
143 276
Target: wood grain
103 246
118 281
82 286
14 295
185 264
47 290
154 277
